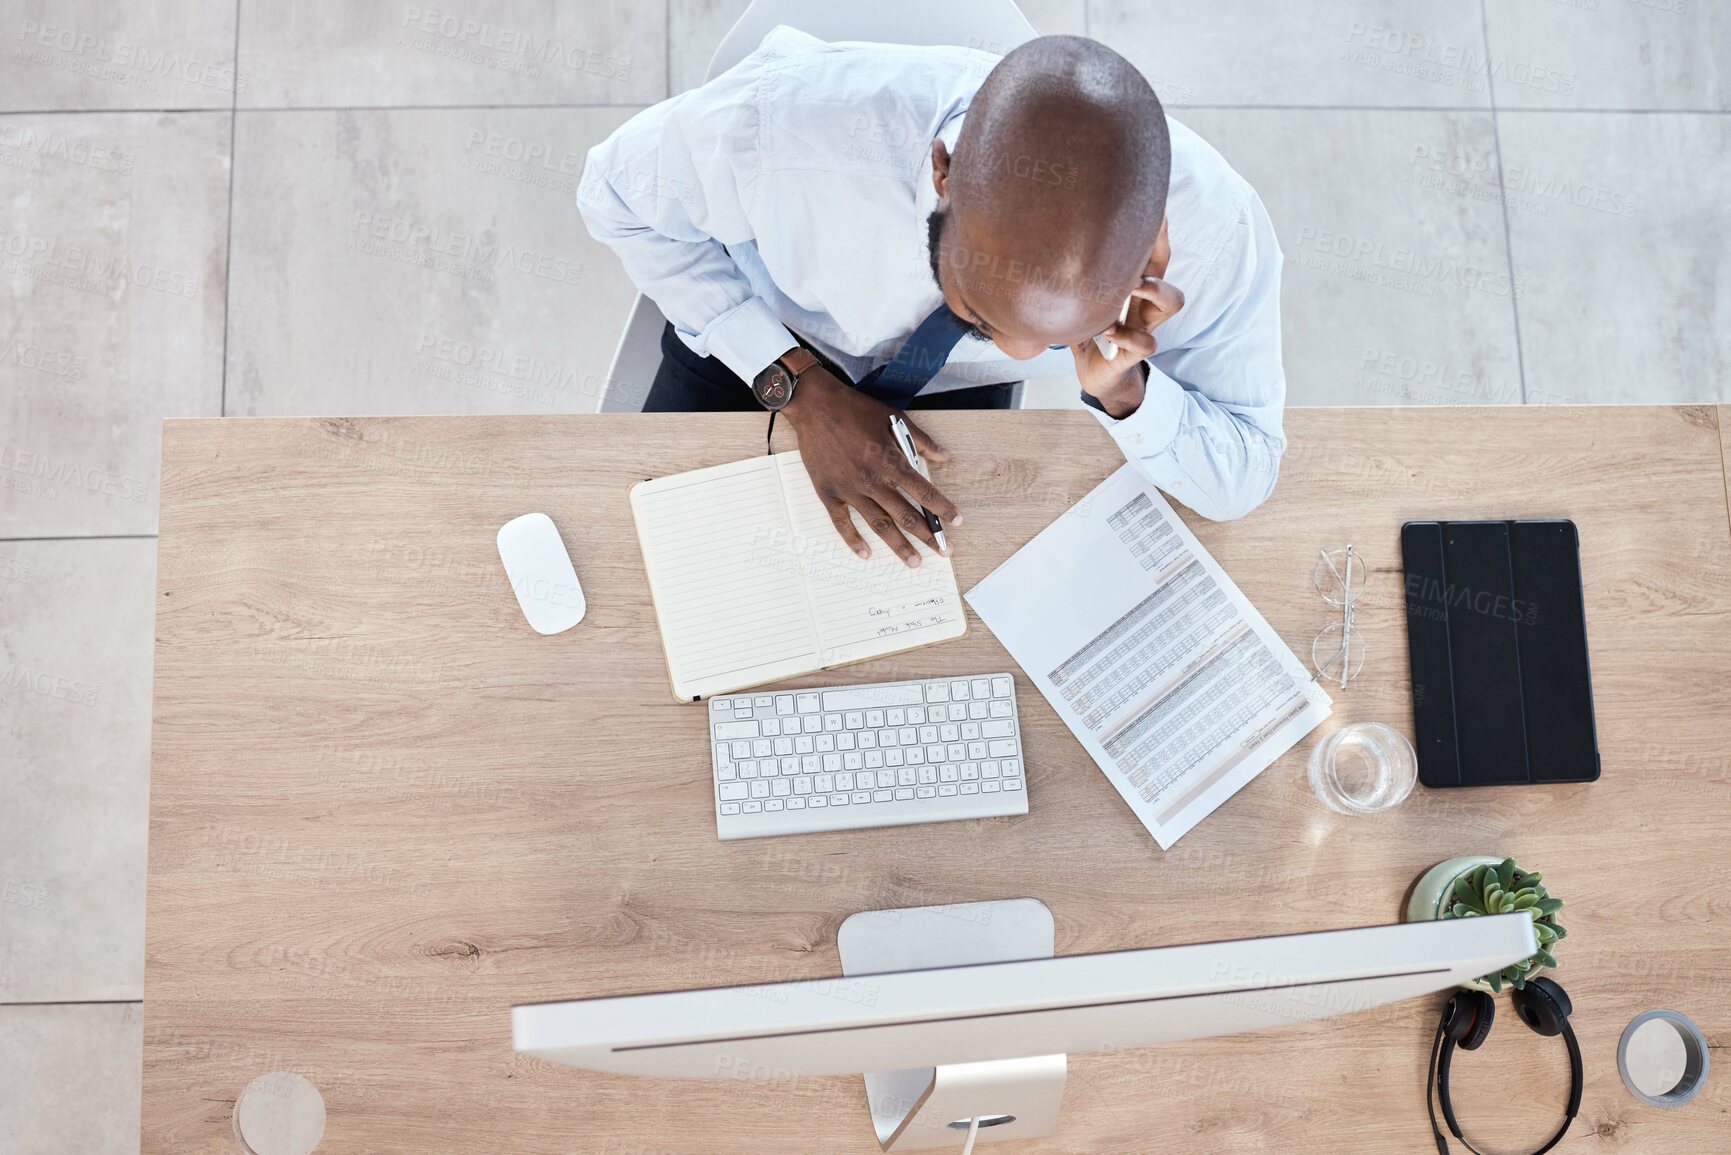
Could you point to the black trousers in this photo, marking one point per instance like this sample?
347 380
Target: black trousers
687 383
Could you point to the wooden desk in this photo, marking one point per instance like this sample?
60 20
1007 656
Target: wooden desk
383 811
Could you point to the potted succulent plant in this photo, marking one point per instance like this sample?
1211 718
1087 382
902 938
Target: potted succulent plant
1480 884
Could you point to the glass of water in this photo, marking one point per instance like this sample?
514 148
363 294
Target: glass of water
1363 768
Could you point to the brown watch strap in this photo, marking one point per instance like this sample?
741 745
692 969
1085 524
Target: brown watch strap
797 361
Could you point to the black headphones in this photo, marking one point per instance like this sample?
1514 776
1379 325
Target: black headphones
1466 1022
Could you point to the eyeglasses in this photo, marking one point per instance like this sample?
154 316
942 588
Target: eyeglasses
1338 651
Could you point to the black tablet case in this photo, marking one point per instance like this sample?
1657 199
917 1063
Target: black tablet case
1497 634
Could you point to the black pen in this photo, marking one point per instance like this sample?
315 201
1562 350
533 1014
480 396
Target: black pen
905 439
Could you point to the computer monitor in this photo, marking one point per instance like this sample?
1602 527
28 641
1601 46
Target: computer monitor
945 1040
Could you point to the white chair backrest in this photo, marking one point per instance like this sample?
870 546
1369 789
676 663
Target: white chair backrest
994 26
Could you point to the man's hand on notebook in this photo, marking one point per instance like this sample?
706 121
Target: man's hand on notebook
853 461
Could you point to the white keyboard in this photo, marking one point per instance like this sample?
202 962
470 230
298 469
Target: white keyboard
884 754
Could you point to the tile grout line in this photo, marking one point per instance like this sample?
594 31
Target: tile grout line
228 238
85 537
667 48
1503 201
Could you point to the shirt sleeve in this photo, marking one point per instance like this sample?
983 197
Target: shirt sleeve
1208 431
667 193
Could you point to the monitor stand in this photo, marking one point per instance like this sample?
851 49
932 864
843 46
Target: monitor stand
929 1107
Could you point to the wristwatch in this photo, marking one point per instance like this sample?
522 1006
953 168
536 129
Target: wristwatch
773 387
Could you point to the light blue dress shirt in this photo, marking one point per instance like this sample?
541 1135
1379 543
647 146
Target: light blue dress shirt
790 195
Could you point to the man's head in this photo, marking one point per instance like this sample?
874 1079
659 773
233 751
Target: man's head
1051 206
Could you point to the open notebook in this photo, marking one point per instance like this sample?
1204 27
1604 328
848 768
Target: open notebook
752 583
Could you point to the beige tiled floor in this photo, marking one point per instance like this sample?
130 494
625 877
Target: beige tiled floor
1480 202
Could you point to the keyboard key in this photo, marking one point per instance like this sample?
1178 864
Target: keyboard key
751 807
882 795
741 749
1002 686
783 746
948 773
928 775
868 739
978 710
796 804
988 769
810 764
894 757
907 736
946 792
958 711
832 723
1012 767
905 776
928 735
781 787
949 732
970 731
801 785
851 760
874 759
1002 708
886 739
970 771
838 799
831 763
1012 784
806 703
886 777
970 788
762 700
725 774
991 787
917 716
976 750
843 781
955 751
761 748
914 756
874 719
721 706
818 801
772 805
825 743
803 745
730 808
746 769
938 692
924 792
1003 748
905 794
784 704
790 765
997 728
853 719
982 688
771 727
861 797
936 753
895 717
846 740
742 710
812 723
732 791
959 691
760 788
824 784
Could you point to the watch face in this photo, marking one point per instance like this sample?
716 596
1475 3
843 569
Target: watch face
774 387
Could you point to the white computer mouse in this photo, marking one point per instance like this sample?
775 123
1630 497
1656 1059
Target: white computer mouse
541 573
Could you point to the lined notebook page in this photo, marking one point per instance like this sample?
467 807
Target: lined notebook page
865 608
728 591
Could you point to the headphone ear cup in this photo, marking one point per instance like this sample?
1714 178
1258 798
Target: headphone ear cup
1542 1005
1469 1018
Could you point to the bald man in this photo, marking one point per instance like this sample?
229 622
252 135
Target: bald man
839 232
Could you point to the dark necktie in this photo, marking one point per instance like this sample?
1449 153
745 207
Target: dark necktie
920 358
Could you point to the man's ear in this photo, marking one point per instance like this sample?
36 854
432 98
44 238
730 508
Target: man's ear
940 168
1162 254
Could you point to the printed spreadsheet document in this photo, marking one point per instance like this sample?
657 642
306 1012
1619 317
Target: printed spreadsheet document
1175 684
